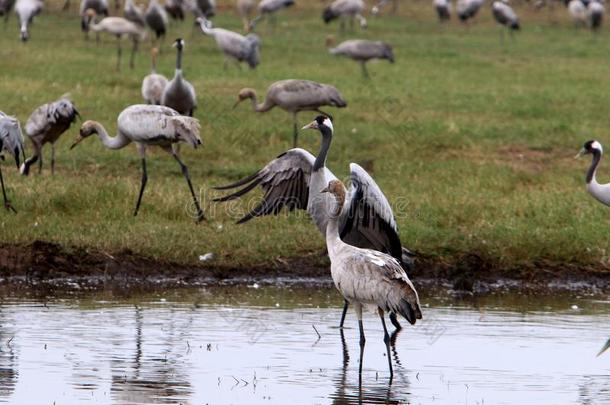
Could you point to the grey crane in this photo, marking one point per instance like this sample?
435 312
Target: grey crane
134 13
175 8
342 9
11 141
362 51
468 9
153 84
290 181
294 96
578 12
505 16
6 6
595 14
46 124
443 9
179 94
234 46
99 6
267 9
366 277
27 10
601 192
150 125
244 9
120 27
204 8
156 18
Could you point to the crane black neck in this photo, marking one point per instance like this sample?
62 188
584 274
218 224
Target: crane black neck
179 58
597 156
327 137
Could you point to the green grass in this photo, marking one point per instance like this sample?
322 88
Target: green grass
471 139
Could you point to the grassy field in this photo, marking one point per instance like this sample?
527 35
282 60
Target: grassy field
470 138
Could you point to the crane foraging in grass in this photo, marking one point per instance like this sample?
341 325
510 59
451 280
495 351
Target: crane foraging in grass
120 27
11 141
267 9
236 47
294 96
179 93
362 51
290 181
150 125
366 277
342 9
46 124
153 84
27 10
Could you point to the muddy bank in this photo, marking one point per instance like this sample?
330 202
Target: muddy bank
46 263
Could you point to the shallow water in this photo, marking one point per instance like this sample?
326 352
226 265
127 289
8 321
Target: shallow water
257 345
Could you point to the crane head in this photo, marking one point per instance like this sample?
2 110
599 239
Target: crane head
87 129
591 146
179 43
244 94
322 123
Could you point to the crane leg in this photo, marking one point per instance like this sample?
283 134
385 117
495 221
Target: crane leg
118 60
52 159
144 180
7 203
358 308
185 172
394 321
345 306
386 340
40 164
134 49
365 72
295 131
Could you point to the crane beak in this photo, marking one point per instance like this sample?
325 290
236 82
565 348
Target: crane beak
582 152
237 103
312 125
606 346
78 114
325 190
76 142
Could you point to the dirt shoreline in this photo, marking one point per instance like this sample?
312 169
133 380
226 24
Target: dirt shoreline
41 263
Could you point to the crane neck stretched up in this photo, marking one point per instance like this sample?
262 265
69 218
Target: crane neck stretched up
597 157
327 137
337 190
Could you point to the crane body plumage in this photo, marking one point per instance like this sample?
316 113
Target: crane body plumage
179 93
150 125
134 13
294 96
175 9
362 50
443 9
11 141
156 18
153 84
505 15
45 125
234 46
595 14
27 10
345 9
268 9
99 6
468 9
366 277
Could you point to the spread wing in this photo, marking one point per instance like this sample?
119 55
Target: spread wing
367 219
285 181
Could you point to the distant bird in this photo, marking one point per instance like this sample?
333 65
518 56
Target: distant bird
343 9
27 10
11 141
46 124
153 84
150 125
601 192
120 27
505 15
443 9
377 8
202 8
578 12
468 9
244 9
595 14
134 13
234 46
362 50
179 93
290 181
267 9
175 9
156 18
6 6
366 277
99 6
295 96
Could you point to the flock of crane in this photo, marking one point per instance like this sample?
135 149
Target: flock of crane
368 261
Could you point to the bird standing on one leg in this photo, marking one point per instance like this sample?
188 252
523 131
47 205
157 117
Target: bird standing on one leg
11 141
366 277
150 125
